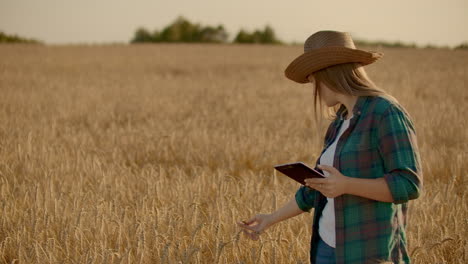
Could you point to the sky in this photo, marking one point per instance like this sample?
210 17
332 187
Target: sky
422 22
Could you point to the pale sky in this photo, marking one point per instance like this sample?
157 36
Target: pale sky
437 22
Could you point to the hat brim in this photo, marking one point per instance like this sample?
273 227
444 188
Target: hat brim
314 60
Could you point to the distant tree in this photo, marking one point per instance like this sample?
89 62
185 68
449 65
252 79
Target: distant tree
142 35
243 37
182 30
156 36
213 34
396 44
179 31
257 36
431 46
267 36
5 38
462 46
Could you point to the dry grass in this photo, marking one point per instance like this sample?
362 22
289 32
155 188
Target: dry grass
151 153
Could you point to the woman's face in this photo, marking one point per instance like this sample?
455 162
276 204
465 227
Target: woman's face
326 94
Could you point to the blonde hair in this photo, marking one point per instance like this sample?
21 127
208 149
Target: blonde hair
349 79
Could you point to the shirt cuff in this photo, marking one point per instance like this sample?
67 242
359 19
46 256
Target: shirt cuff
305 198
401 188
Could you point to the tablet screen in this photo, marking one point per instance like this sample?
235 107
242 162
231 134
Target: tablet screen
298 171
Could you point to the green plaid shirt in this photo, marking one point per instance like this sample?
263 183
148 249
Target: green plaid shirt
380 142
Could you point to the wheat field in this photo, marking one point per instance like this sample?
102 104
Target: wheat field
152 153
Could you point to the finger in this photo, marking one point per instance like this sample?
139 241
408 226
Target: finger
327 168
242 223
252 228
314 187
321 185
246 223
250 221
311 185
317 187
316 184
315 180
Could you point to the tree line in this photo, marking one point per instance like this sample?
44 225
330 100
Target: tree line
182 30
5 38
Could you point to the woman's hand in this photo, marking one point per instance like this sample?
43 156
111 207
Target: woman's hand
259 223
332 186
255 226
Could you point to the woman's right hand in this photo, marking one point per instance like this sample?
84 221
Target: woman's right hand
255 226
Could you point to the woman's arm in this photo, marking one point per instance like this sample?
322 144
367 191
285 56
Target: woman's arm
375 189
289 210
399 150
259 223
337 184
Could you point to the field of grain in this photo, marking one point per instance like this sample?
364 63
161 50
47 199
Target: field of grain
152 153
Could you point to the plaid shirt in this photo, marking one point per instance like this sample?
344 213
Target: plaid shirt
380 142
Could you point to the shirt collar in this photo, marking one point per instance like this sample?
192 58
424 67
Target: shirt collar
357 109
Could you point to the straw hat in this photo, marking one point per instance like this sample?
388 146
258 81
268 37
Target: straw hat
324 49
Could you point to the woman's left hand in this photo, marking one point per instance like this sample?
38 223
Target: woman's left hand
332 186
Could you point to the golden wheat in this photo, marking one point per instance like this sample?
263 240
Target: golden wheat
152 153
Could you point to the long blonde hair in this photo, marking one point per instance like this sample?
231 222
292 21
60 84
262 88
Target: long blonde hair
349 79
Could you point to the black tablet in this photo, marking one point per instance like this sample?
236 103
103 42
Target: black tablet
298 171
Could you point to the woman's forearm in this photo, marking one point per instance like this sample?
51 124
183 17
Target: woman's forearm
287 211
375 189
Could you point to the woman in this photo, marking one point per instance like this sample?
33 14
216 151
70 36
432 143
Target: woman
370 159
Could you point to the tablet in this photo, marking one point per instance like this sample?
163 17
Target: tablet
298 171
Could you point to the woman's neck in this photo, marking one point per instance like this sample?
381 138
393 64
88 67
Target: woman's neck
348 101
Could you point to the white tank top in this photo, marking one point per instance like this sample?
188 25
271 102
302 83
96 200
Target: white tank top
327 220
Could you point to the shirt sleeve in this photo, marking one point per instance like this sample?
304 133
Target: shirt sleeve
399 150
305 198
